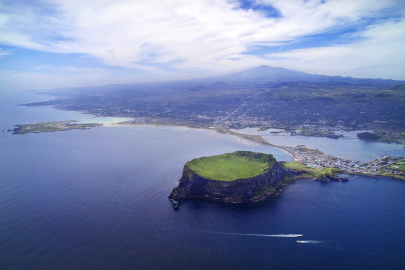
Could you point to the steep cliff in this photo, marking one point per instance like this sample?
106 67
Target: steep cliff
255 188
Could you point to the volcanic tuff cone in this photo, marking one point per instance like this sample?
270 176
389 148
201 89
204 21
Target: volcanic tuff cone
233 177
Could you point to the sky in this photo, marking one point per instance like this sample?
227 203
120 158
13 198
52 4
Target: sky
47 44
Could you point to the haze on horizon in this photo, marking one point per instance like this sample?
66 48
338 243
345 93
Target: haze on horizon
65 43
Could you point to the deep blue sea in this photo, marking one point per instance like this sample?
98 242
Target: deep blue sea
96 199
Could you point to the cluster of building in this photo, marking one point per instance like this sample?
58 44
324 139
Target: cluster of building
322 127
319 160
395 169
230 119
243 121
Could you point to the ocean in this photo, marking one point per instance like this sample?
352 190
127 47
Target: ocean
97 199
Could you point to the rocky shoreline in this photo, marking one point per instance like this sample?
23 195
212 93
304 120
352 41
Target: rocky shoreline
210 198
249 190
328 178
254 189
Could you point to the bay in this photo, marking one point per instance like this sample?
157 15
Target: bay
96 199
347 147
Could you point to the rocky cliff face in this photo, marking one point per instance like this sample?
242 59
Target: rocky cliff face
259 187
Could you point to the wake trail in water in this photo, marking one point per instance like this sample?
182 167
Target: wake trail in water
316 243
256 234
309 242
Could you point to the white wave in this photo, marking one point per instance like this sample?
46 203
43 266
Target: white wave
281 235
246 142
309 242
260 235
268 235
316 243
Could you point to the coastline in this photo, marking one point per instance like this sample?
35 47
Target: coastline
219 130
157 125
380 175
267 197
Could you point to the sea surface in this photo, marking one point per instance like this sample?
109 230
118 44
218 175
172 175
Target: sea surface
96 199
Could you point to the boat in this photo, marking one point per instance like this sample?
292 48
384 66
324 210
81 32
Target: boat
176 205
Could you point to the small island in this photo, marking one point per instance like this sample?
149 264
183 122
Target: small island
368 136
315 133
242 176
52 126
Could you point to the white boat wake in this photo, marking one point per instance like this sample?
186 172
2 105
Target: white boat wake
255 234
309 242
316 243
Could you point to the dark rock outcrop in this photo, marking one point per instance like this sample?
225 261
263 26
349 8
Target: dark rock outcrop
368 136
256 188
329 178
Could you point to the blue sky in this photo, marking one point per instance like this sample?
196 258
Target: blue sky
63 43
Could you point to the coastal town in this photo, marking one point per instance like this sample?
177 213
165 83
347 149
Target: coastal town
319 160
315 159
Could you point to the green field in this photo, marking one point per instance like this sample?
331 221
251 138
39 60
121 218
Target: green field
232 166
303 148
402 177
52 126
399 166
317 173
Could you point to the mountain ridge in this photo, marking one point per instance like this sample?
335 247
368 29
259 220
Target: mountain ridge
253 76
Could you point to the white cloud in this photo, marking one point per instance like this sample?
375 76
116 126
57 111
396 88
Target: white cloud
205 35
50 77
70 69
380 53
4 52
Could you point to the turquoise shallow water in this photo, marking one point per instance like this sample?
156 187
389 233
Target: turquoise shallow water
96 199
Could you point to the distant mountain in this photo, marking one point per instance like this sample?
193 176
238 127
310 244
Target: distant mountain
265 74
262 76
270 75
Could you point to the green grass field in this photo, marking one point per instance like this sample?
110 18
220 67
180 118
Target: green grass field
232 166
402 167
317 173
52 126
399 165
402 177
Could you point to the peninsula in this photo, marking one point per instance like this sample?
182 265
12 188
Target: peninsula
52 126
315 162
242 176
